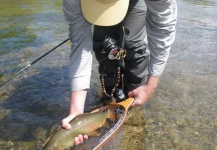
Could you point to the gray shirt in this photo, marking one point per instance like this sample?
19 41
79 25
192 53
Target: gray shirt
161 20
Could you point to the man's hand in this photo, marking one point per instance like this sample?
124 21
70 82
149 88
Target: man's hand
65 124
144 92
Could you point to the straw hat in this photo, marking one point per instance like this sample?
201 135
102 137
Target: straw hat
104 12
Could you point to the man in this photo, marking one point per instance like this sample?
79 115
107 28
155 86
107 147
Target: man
136 20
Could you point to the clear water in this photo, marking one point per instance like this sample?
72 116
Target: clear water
182 113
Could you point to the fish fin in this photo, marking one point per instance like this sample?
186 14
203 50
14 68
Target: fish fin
111 113
46 142
106 124
94 133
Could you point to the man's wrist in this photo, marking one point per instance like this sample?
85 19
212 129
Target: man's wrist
152 81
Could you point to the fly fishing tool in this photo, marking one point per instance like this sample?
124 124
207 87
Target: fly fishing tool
116 53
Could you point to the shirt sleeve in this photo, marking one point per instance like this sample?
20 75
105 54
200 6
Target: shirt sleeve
80 36
160 22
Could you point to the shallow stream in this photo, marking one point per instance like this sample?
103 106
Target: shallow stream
181 115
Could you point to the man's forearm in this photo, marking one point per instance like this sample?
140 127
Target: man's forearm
152 81
77 101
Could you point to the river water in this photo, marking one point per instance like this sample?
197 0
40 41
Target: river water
181 115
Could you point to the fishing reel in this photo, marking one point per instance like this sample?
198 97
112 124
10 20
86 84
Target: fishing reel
112 50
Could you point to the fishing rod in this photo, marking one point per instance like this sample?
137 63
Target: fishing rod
22 70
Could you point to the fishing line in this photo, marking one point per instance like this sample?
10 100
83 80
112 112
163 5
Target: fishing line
22 70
